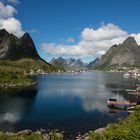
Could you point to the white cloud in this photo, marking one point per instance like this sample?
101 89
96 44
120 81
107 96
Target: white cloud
105 32
14 1
137 37
70 39
99 40
6 11
93 42
63 50
101 52
12 25
8 22
33 31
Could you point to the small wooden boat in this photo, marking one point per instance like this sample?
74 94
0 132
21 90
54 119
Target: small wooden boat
113 103
138 91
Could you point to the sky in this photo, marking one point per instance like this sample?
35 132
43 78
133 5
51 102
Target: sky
83 29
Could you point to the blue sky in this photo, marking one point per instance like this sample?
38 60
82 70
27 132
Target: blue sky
75 28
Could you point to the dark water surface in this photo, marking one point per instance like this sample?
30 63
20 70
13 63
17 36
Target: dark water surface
69 103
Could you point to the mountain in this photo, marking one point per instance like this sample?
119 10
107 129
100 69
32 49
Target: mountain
125 54
20 53
92 64
13 48
68 64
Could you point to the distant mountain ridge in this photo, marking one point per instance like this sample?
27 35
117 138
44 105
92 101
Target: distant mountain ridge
93 64
68 64
125 54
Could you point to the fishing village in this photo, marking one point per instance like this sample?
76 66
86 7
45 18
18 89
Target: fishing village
116 105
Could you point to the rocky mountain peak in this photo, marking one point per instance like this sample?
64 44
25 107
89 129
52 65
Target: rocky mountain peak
93 63
60 59
130 42
26 36
13 48
3 33
125 54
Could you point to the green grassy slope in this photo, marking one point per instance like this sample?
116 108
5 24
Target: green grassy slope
25 64
16 72
128 129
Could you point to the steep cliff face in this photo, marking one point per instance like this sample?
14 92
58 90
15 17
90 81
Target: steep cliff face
127 53
28 46
105 60
12 48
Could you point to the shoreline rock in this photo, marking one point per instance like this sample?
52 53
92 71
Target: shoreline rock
6 86
100 130
42 133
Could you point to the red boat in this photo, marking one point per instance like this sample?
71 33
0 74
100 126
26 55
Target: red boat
113 103
138 90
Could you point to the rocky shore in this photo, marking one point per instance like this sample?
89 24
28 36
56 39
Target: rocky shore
40 134
13 85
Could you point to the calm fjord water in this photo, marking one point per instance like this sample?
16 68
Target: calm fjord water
68 102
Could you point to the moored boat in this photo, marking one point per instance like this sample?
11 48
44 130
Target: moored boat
138 91
113 103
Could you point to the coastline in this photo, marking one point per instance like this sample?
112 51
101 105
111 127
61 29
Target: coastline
40 134
12 85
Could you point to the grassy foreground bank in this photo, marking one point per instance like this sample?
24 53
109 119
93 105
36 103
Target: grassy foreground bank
29 135
128 129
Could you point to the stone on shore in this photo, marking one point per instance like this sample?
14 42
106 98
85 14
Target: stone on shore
100 130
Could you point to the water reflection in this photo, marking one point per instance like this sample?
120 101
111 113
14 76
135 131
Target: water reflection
13 106
119 85
91 88
9 117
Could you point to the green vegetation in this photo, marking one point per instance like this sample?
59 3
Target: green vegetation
16 73
14 81
14 78
128 129
19 137
32 136
58 65
25 64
